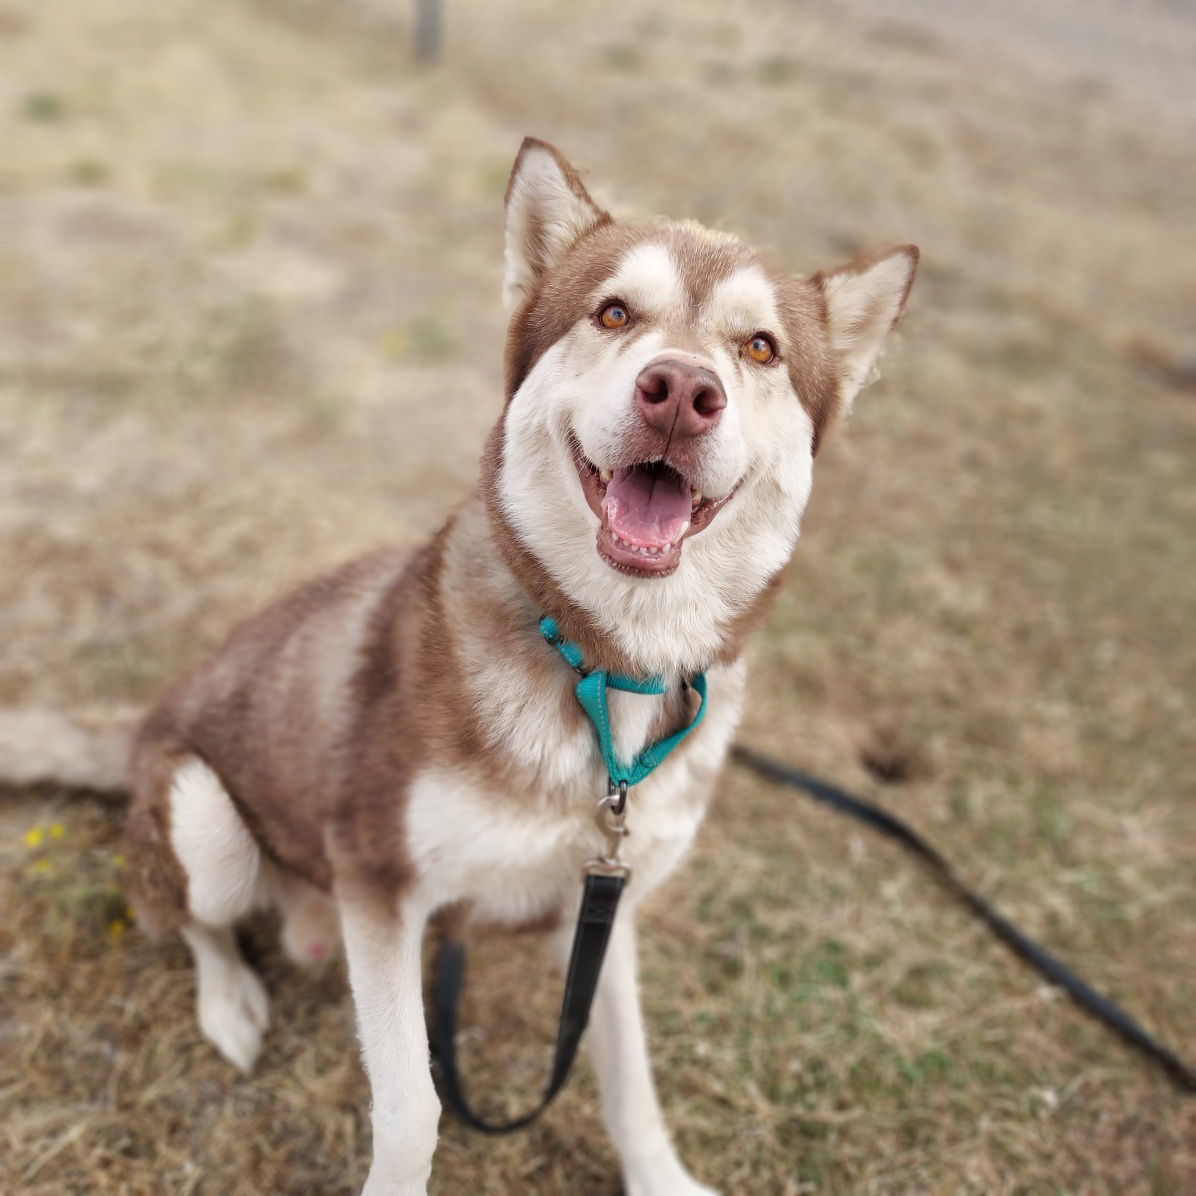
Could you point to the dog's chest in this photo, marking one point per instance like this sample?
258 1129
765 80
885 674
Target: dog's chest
518 855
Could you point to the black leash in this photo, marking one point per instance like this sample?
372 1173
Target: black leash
1096 1004
600 901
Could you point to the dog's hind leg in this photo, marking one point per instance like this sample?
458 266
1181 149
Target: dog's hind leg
223 865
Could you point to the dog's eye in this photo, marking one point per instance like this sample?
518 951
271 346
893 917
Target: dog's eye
761 349
614 315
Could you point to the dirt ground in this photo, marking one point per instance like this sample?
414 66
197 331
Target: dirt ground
250 325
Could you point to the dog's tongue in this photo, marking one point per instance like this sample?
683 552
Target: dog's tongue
647 506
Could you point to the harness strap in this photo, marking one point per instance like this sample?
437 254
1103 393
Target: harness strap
592 689
599 903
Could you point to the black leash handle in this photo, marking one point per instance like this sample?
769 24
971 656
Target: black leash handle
595 920
1094 1003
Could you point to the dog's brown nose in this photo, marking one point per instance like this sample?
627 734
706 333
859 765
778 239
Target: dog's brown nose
679 398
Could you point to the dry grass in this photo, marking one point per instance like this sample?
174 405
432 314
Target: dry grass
249 325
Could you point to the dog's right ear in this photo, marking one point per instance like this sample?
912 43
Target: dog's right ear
548 209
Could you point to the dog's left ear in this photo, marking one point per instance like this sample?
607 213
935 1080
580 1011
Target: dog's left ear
548 209
864 300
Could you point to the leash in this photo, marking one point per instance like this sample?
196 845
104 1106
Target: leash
1092 1002
599 902
604 878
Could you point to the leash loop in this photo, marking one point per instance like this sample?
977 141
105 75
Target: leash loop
595 920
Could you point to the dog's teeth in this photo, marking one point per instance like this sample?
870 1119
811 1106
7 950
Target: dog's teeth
606 474
697 498
644 549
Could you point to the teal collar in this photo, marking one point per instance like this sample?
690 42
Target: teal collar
592 689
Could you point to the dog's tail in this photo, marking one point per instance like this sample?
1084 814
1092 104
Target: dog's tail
80 751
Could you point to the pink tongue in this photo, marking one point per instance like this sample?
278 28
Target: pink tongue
645 507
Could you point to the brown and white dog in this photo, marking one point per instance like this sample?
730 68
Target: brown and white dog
396 737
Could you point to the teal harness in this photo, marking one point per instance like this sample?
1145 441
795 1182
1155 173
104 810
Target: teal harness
592 689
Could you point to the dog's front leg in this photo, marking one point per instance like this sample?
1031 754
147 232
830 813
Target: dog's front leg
619 1053
382 946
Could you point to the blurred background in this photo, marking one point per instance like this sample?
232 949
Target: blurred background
250 325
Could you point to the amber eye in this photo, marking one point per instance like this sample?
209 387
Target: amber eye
614 315
761 349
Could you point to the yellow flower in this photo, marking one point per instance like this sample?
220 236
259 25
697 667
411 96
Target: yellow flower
116 929
118 860
35 836
43 866
57 830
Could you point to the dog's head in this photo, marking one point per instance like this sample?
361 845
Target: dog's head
666 394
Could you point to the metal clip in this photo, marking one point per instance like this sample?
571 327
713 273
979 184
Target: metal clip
611 817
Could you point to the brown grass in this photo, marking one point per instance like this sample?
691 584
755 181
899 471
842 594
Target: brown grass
249 325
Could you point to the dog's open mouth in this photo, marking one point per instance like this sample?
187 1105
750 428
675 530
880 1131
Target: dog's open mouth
646 510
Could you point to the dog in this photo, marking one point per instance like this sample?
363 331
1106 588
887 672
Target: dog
396 738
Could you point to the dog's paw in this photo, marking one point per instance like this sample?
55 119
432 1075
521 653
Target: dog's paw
234 1013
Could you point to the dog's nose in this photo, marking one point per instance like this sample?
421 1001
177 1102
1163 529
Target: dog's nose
679 398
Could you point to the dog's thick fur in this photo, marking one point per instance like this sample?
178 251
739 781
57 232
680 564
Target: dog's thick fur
396 738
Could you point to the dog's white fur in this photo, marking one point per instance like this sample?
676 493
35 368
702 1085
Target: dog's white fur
219 855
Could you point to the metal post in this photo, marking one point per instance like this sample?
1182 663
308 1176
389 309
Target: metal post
427 30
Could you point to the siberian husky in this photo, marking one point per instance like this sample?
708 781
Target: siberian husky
397 737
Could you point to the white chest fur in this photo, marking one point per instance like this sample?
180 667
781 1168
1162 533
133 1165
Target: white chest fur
518 855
